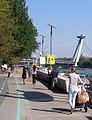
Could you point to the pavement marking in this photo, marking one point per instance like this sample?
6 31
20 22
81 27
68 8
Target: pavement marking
18 103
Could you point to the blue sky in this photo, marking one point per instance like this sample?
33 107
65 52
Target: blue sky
70 17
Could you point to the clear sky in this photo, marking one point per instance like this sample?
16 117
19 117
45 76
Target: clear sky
70 17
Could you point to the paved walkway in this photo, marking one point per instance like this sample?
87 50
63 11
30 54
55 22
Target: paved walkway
36 102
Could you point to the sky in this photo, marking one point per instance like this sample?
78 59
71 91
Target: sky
70 17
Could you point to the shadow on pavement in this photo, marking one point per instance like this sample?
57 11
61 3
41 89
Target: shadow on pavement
55 110
89 117
38 96
30 95
62 110
39 88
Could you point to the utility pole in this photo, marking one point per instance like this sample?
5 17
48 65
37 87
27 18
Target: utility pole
51 37
42 43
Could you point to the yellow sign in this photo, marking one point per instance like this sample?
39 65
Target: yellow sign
35 62
50 59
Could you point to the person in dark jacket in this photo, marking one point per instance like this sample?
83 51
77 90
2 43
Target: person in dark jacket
54 77
50 77
24 75
29 70
34 74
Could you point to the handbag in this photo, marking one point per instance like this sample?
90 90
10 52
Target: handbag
82 97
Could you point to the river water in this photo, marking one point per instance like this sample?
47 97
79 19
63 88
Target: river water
81 72
87 72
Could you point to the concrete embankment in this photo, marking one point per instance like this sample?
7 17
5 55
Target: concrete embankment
62 81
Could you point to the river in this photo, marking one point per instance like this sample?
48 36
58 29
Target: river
87 72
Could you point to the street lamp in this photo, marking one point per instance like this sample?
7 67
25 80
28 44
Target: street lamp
51 37
42 43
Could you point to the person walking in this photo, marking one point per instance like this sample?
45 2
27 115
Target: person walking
29 70
54 77
34 74
73 87
24 75
50 77
9 72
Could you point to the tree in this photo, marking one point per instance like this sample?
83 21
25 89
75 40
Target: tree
17 32
9 45
25 33
85 62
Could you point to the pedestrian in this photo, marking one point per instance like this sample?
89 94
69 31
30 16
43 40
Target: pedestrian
29 70
50 78
9 72
24 74
73 87
54 77
34 74
2 68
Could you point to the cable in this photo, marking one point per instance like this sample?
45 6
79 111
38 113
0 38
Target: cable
88 48
58 46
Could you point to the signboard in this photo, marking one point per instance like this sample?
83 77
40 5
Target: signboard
42 60
34 62
50 59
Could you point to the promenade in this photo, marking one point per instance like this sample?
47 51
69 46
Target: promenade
36 102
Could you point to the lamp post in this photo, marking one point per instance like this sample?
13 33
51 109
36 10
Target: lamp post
51 37
42 43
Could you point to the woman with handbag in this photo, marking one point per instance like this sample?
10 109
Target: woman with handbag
73 87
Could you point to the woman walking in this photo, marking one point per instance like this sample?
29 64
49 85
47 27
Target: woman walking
24 75
34 73
73 87
9 72
50 78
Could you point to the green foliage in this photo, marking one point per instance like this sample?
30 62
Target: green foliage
9 45
85 62
17 32
25 32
